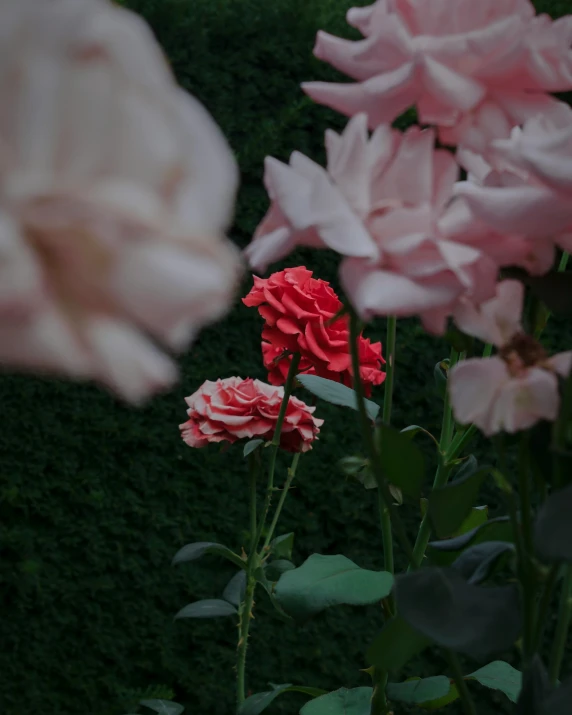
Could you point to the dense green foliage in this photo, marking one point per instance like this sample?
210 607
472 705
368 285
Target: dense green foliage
95 498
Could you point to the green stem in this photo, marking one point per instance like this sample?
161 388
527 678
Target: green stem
289 384
390 341
465 695
379 705
543 610
367 432
283 495
460 441
563 262
562 627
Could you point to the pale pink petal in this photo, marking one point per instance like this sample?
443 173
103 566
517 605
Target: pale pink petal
474 387
450 87
523 401
561 363
496 320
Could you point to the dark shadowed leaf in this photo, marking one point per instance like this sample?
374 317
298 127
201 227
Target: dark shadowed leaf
477 562
535 690
336 393
323 581
163 707
397 643
415 692
559 701
477 517
235 589
470 619
458 340
356 701
499 675
553 528
255 704
190 552
276 568
439 703
412 430
402 461
209 608
281 547
444 553
268 586
553 288
450 505
249 447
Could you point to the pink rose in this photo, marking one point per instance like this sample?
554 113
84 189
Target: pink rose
474 69
232 409
517 387
115 190
379 204
298 310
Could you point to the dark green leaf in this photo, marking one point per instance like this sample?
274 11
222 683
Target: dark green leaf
443 553
402 462
474 620
255 704
281 547
450 505
440 377
209 608
397 643
323 581
335 393
163 707
235 589
190 552
416 692
553 528
477 517
458 340
356 701
439 703
535 690
559 700
478 562
249 447
499 675
276 568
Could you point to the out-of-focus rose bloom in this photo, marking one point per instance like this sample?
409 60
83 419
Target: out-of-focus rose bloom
232 409
115 191
514 389
379 204
298 310
531 193
473 68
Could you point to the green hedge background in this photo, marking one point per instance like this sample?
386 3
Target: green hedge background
95 497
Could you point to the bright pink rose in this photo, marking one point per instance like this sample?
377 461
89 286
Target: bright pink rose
475 68
517 387
232 409
298 310
379 204
532 195
115 191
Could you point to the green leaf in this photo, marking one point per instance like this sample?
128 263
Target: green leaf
323 581
281 547
416 692
275 569
473 620
536 690
458 340
499 675
268 586
258 702
402 462
209 608
335 393
444 553
356 701
235 589
163 707
358 468
450 505
450 697
478 562
191 552
477 517
553 527
412 430
249 447
397 643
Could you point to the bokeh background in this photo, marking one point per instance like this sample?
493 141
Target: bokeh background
95 498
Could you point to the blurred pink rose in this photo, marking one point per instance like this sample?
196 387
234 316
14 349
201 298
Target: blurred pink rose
532 191
517 387
378 204
232 409
115 191
474 68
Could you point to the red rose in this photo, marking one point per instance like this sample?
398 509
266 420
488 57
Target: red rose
232 409
298 309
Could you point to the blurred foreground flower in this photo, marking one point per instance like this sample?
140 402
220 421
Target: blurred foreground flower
232 409
299 311
115 191
517 387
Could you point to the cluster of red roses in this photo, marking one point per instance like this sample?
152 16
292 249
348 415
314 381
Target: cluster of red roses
302 315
